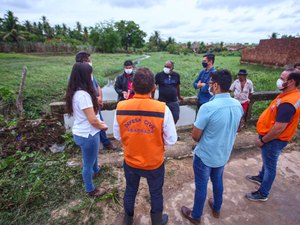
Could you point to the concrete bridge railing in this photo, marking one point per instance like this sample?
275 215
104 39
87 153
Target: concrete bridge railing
58 108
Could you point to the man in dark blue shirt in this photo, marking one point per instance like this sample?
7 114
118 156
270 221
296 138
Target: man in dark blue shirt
168 83
202 81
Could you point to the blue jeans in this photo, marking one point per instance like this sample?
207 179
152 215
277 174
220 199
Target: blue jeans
89 149
155 180
270 153
202 174
103 138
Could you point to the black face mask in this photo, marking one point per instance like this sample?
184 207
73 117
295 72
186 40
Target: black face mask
204 64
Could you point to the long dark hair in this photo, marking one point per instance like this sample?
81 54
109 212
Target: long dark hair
80 79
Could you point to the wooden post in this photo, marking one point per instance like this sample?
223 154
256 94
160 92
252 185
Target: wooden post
19 100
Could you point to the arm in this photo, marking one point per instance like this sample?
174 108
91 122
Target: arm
116 128
178 92
169 129
276 130
196 81
251 91
100 97
284 115
93 120
196 134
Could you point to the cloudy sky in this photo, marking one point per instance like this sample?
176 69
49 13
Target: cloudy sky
231 21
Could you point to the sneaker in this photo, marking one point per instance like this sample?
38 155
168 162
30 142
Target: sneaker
111 146
254 179
256 196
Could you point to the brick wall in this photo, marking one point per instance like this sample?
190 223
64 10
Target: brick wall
277 52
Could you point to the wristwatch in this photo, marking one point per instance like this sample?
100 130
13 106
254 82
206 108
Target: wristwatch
261 139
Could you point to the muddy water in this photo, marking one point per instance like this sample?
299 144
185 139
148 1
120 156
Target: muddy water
187 113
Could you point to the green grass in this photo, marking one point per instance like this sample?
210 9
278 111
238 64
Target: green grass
48 75
34 184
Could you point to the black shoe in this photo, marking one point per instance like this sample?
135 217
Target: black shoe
111 146
254 179
256 196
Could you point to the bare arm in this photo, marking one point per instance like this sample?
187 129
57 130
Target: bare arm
93 120
100 97
196 134
178 92
276 130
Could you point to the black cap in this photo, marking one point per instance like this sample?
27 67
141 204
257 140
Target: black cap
242 72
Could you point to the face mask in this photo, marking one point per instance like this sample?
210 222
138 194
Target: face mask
204 64
279 84
128 71
210 92
167 70
90 64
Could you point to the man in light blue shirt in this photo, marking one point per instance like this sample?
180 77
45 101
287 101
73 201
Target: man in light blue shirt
215 131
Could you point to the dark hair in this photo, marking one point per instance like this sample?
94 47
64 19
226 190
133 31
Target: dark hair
296 65
128 63
143 81
210 57
80 79
295 76
222 78
82 56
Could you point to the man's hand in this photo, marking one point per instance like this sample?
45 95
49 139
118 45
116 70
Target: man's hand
259 143
200 84
180 98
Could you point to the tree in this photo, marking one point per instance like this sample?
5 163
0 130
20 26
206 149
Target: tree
274 35
155 41
105 37
131 34
10 26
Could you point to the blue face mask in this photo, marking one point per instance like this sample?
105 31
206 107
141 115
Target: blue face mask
204 64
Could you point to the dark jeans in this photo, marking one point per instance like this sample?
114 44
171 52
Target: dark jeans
155 180
175 109
103 138
202 174
270 153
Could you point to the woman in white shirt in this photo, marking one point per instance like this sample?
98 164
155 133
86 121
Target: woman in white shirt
81 102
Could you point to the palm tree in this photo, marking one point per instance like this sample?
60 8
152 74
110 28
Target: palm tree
155 40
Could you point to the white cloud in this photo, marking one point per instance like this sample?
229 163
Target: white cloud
185 20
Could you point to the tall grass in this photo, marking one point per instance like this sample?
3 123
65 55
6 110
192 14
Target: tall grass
47 76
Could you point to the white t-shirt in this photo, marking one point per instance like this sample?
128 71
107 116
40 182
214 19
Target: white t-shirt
82 127
242 95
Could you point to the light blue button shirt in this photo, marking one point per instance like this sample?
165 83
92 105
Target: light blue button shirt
219 120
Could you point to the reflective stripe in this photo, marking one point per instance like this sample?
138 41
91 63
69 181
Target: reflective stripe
278 101
140 113
297 104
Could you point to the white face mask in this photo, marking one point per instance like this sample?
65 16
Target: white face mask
279 84
210 92
167 70
128 71
91 64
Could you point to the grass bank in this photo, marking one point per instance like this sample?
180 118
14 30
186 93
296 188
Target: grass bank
47 75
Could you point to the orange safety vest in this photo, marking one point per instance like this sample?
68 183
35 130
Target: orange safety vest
141 128
268 118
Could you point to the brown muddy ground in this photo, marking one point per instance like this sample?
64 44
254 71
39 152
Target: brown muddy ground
283 206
